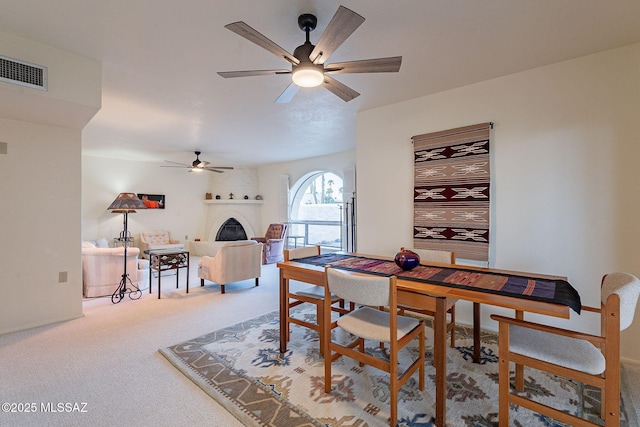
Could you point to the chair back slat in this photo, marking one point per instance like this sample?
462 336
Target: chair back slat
298 253
435 255
361 289
627 287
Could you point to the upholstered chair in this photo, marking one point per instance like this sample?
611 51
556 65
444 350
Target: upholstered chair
157 239
577 356
235 261
273 243
369 323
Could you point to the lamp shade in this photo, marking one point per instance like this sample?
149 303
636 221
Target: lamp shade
126 202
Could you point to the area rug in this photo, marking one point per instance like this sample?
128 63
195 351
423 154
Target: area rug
241 368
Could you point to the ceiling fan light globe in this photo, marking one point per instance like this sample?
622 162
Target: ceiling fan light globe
196 169
307 76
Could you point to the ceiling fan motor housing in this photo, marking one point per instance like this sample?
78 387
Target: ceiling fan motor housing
307 21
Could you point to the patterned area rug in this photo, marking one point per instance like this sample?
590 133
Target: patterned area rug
242 368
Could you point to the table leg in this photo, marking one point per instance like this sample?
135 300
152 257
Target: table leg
150 270
284 284
440 359
477 346
187 273
159 271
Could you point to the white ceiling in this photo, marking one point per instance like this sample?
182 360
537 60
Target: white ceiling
162 98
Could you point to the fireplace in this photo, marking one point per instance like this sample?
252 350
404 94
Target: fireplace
231 230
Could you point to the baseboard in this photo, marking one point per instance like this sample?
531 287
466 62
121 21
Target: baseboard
629 361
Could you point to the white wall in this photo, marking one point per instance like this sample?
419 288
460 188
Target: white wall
40 185
103 179
40 225
564 171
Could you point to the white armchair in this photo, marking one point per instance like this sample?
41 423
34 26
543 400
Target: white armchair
157 239
102 269
234 261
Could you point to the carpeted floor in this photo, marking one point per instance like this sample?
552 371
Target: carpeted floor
241 368
109 358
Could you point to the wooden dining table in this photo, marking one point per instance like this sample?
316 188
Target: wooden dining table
433 297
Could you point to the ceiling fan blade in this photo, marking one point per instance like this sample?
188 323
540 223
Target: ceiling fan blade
341 26
168 166
378 65
176 163
288 94
244 30
341 90
219 167
249 73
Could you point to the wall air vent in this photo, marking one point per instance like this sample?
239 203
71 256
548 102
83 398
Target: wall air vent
23 73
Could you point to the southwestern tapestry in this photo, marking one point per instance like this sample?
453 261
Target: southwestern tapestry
451 191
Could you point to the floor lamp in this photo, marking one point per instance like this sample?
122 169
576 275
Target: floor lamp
126 203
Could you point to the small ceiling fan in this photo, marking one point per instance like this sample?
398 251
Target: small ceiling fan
307 61
197 165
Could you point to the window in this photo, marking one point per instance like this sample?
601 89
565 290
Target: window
315 211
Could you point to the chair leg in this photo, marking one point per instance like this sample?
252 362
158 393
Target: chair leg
453 326
393 384
201 282
519 370
222 289
361 348
421 347
320 320
257 281
503 375
327 369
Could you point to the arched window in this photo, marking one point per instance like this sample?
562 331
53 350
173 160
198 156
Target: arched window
315 211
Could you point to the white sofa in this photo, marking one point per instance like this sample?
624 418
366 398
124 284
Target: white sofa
234 261
157 239
102 269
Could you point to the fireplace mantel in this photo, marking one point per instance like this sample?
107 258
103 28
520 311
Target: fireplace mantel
233 202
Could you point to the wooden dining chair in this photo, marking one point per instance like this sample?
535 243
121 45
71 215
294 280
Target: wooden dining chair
585 358
367 322
309 295
443 257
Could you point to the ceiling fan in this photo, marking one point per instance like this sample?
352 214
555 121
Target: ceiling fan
197 165
308 61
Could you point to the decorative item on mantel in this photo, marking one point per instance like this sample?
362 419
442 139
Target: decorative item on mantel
207 196
218 197
246 197
258 197
230 196
406 259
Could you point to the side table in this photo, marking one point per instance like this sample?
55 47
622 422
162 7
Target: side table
168 259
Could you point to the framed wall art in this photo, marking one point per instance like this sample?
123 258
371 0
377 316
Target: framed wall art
152 201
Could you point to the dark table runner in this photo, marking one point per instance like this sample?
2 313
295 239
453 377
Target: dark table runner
554 291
